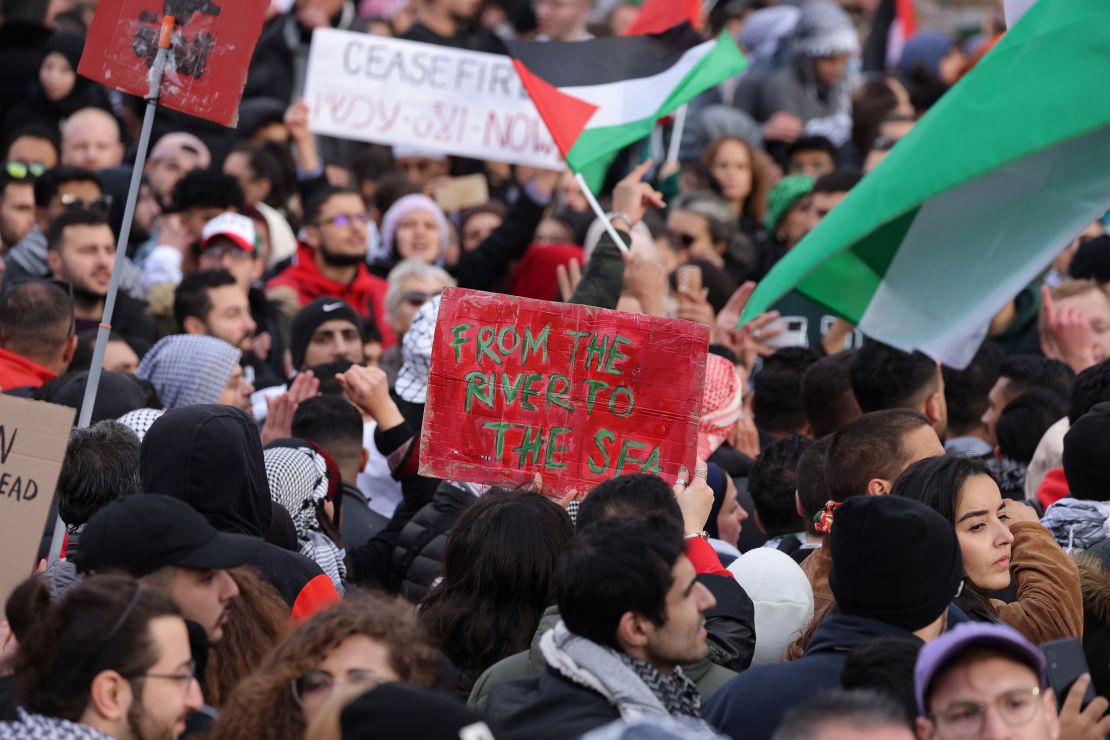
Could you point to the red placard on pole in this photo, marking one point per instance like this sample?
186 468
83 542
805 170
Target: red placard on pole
211 49
576 393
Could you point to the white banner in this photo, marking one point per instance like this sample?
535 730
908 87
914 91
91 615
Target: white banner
389 91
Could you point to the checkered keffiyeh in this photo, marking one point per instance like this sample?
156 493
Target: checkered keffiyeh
188 369
139 420
40 727
416 350
298 478
720 406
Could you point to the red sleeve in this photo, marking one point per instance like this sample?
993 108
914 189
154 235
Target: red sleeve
704 557
317 595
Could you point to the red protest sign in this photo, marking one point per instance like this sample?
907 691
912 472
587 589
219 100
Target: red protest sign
211 51
579 394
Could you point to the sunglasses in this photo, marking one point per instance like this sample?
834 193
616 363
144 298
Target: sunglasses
103 204
686 240
346 219
417 298
22 170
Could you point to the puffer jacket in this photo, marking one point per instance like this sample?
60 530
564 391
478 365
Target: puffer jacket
418 556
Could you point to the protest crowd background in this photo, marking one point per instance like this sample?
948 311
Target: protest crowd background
869 542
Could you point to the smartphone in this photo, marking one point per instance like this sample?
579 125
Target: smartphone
794 332
1066 663
462 192
687 279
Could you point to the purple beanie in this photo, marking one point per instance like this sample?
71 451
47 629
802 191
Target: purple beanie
405 207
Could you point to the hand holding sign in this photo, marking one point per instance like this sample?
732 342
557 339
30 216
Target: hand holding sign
695 497
368 388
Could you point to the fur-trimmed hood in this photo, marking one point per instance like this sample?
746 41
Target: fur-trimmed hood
1094 576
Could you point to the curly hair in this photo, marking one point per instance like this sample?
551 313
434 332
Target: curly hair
262 705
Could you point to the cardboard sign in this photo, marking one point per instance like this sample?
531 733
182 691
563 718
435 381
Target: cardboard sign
390 91
579 394
211 52
33 438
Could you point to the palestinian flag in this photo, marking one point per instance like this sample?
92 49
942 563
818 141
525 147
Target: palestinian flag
656 16
973 204
598 96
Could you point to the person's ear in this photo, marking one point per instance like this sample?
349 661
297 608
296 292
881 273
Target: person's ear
878 487
798 506
54 262
758 523
633 631
257 268
926 730
193 325
70 349
312 236
287 364
110 697
932 406
363 458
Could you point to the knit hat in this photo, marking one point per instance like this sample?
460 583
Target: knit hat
1092 260
782 596
824 30
720 404
402 209
1085 463
715 479
188 369
787 191
308 320
416 353
894 560
392 711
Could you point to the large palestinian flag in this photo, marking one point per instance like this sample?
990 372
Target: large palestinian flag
598 96
976 200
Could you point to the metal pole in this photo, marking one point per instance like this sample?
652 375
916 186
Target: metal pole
156 71
599 212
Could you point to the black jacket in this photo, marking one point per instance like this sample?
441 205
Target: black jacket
547 706
129 317
752 705
210 457
418 557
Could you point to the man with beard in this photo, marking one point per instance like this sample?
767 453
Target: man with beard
110 660
17 206
331 261
211 303
82 250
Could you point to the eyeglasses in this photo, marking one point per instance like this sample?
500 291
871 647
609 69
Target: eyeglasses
967 718
185 679
686 240
318 685
102 204
345 219
418 298
218 253
22 170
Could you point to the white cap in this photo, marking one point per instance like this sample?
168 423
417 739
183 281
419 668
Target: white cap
234 226
782 596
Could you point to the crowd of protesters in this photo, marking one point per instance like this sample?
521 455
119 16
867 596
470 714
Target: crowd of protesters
870 544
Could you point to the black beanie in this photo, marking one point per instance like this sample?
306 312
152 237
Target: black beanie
395 712
1092 260
894 560
1085 463
309 318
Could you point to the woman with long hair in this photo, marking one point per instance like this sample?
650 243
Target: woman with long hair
498 577
1002 542
737 174
363 641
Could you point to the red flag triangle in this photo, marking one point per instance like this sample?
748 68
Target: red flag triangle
657 16
565 115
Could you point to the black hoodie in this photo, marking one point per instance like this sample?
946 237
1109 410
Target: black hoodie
210 457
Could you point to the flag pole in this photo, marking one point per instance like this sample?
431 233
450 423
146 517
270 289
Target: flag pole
598 212
676 133
156 72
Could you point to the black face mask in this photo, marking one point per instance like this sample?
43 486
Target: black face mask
340 260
